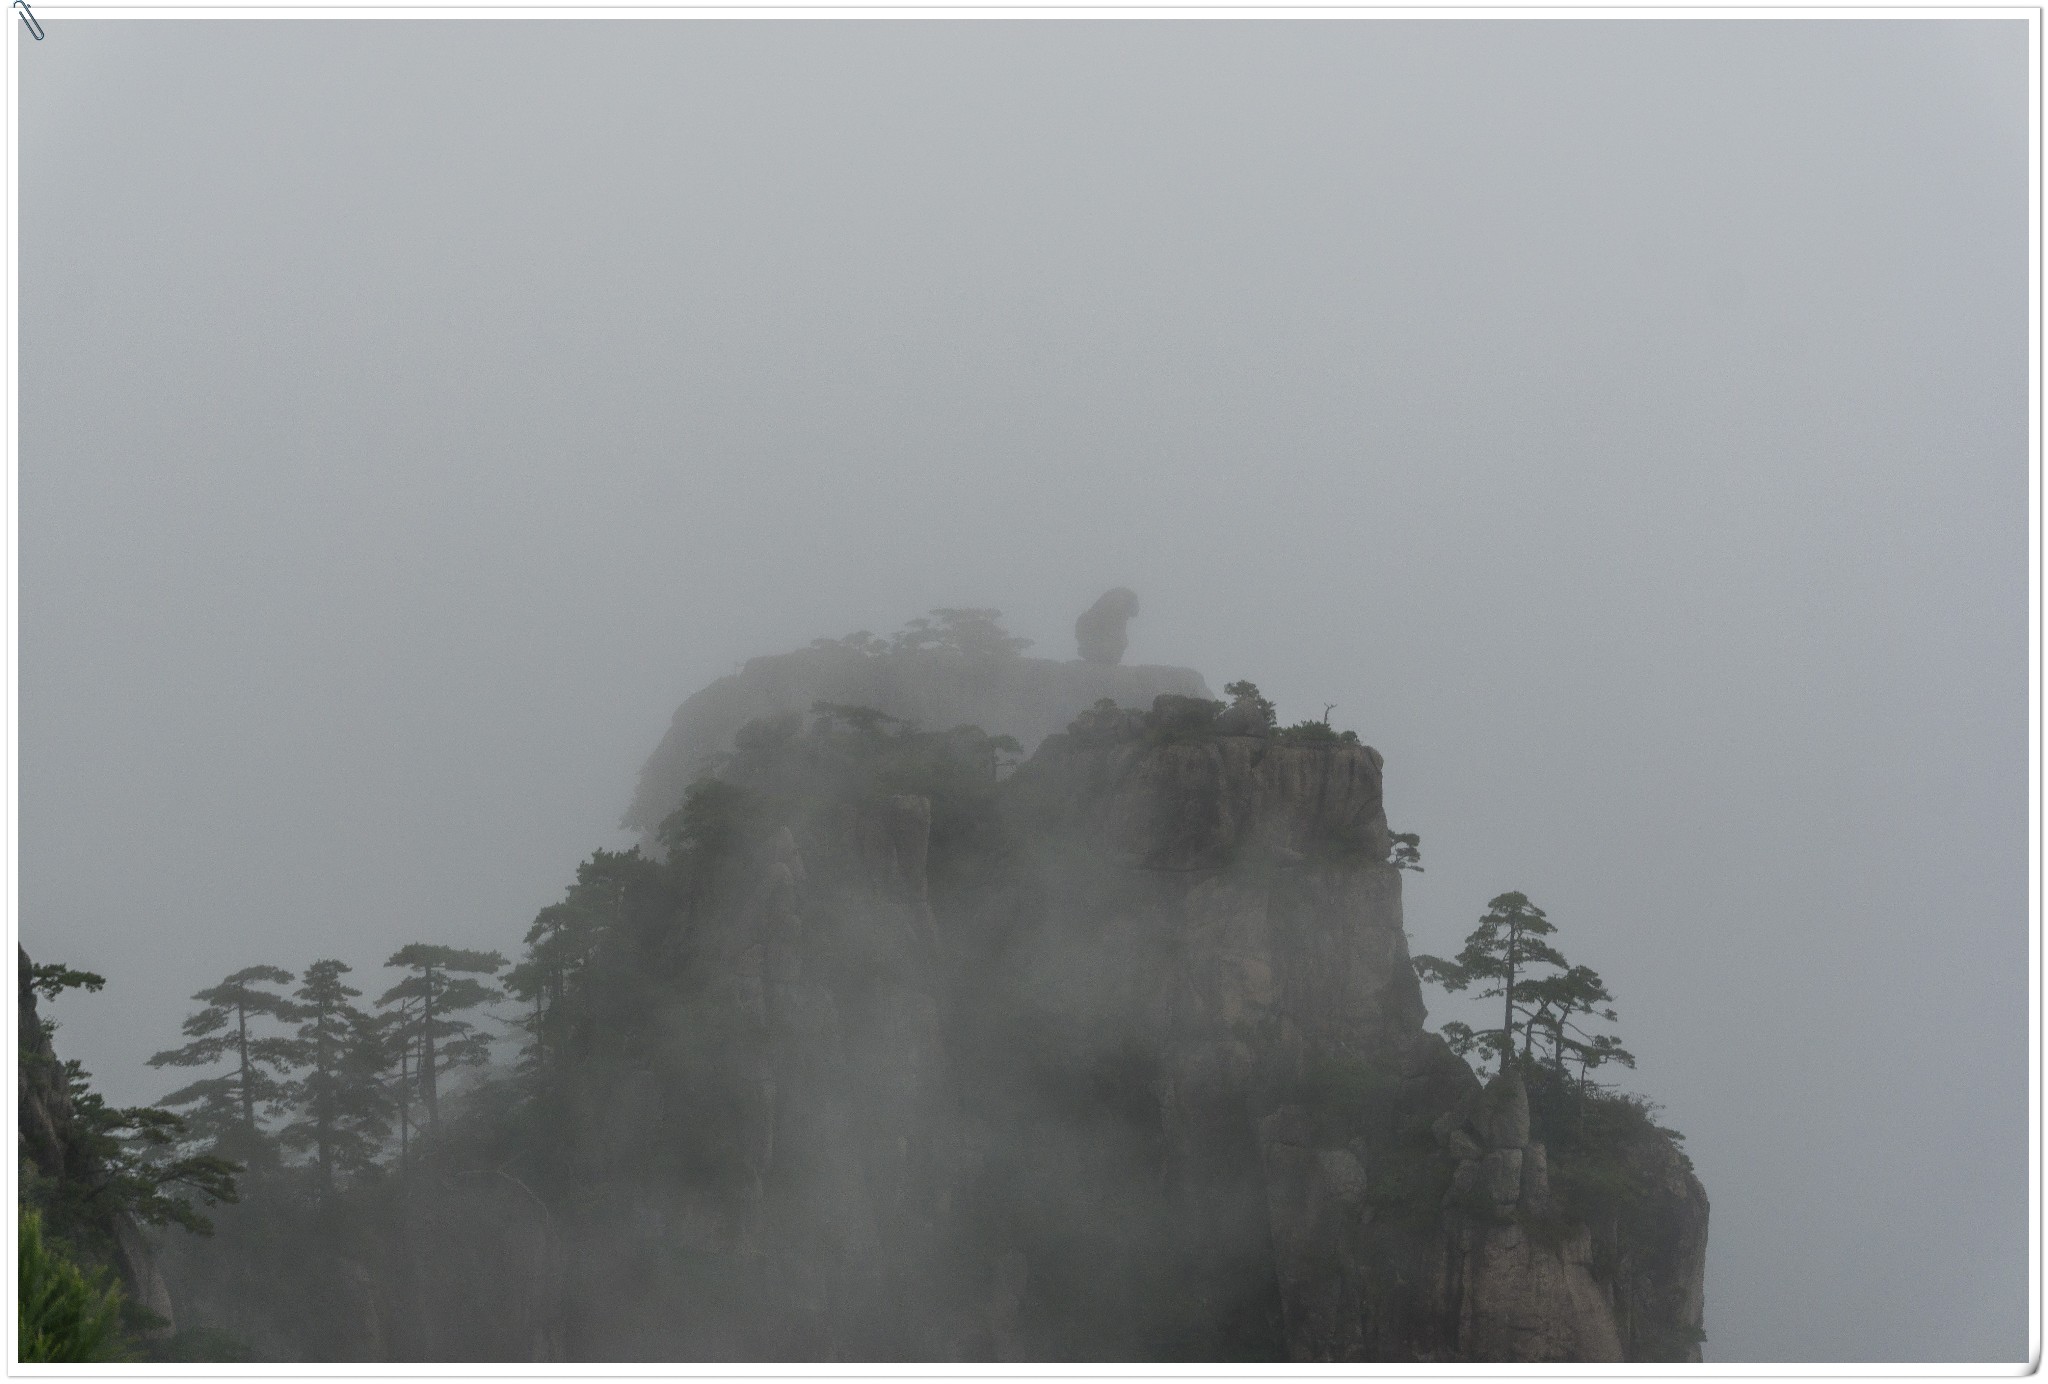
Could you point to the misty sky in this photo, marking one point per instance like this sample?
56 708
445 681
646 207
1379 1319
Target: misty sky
1623 423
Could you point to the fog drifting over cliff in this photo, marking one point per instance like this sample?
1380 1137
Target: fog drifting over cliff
1623 424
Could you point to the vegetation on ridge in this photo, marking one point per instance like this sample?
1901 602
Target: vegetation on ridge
65 1316
623 1098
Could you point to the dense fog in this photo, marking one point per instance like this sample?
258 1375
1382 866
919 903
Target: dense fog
1623 424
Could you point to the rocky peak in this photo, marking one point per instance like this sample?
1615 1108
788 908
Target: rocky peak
1004 693
1119 1056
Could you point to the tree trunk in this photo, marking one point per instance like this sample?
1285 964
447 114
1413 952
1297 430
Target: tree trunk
242 1043
323 1112
404 1103
427 1053
1507 1022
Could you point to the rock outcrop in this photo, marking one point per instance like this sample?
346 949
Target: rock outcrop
1519 1295
1260 936
1099 634
1149 1080
1121 1056
53 1155
1004 694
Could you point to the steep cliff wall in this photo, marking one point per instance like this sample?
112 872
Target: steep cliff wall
1226 900
1145 1077
1121 1056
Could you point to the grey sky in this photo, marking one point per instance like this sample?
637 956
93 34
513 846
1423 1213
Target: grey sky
1624 423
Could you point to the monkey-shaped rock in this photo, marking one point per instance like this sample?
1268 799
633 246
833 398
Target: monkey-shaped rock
1100 631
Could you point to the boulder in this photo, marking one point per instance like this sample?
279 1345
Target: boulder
1099 633
1241 719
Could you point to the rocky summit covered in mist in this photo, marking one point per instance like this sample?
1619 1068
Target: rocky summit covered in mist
884 1050
957 667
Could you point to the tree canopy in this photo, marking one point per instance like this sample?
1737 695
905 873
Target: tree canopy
965 630
1543 996
223 1108
443 984
339 1105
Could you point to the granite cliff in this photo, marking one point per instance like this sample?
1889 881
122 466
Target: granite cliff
1122 1058
882 1052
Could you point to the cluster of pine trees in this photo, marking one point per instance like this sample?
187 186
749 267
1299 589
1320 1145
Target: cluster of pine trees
321 1120
311 1073
308 1072
324 1077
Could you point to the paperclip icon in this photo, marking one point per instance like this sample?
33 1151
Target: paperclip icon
28 17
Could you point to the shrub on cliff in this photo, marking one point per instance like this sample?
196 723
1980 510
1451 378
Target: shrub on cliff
787 770
65 1317
1315 733
1104 723
1244 695
971 630
965 630
714 814
1404 851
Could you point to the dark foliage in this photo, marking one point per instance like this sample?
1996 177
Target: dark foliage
67 1316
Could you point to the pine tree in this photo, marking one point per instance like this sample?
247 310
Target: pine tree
442 984
115 1160
54 979
557 945
1404 851
133 1153
564 937
390 1038
339 1102
1560 1000
223 1108
1246 694
1500 955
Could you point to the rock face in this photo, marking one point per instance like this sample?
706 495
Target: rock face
51 1151
1148 1081
1519 1296
1119 1057
1259 935
1028 698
